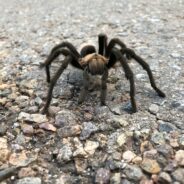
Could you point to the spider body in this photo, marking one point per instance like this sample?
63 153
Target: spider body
95 63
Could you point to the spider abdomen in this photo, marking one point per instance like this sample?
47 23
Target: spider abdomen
95 63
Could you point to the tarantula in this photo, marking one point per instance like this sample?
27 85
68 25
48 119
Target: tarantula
95 63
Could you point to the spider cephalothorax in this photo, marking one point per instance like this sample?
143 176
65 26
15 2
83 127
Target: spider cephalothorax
96 64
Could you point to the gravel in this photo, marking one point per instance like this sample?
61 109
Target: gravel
87 143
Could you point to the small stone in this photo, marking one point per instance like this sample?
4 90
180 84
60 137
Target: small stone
165 126
170 167
137 160
128 156
29 180
178 175
154 178
121 139
181 140
158 138
26 172
48 126
102 176
133 172
37 118
154 108
145 146
3 143
150 166
166 150
4 155
17 158
91 146
69 131
88 129
116 155
164 178
174 143
146 181
80 164
80 152
116 178
179 157
64 179
151 154
120 120
65 118
3 129
27 129
65 154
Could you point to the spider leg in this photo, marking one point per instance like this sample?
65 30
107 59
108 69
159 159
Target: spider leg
146 67
50 58
112 43
85 87
104 86
88 49
102 43
129 75
53 82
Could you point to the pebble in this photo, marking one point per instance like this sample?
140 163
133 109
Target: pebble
181 141
151 154
178 175
154 108
29 180
81 164
102 176
88 129
3 129
65 154
128 156
17 158
166 150
165 127
48 126
179 157
116 178
3 143
121 139
69 131
90 147
158 138
133 172
65 118
26 172
150 166
4 155
137 160
37 118
120 120
164 178
27 129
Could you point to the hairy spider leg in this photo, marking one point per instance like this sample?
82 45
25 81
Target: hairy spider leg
129 75
102 44
51 57
69 46
88 49
64 65
146 67
131 54
84 90
104 86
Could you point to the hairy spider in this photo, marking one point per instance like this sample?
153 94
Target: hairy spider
95 63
